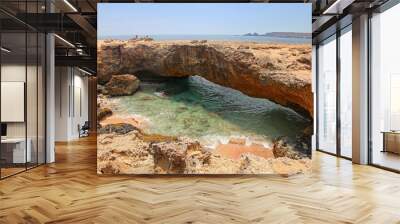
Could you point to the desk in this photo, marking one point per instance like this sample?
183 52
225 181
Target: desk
13 150
391 141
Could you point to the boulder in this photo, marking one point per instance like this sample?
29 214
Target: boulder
122 85
176 156
123 154
293 149
103 113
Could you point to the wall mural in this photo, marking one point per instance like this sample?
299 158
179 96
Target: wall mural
204 88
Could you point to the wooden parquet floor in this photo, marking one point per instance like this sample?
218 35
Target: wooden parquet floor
70 191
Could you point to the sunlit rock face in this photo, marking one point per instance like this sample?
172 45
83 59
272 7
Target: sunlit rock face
278 72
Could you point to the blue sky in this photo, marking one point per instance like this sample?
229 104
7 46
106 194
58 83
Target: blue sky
205 19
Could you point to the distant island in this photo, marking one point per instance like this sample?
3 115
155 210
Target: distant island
281 34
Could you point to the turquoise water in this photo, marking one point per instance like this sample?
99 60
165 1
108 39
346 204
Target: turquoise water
197 108
263 39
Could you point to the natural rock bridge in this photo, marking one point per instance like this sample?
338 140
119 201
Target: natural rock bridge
278 72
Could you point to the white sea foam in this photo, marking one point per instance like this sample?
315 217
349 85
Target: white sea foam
161 94
212 141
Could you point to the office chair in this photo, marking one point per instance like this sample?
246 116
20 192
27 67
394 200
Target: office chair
84 130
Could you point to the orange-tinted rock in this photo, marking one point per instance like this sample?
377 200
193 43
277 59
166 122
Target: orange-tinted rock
235 151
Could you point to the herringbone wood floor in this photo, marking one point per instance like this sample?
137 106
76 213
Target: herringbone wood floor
69 191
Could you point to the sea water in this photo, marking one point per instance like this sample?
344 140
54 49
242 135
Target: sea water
261 39
197 108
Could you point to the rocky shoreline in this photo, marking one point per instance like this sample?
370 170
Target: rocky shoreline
123 149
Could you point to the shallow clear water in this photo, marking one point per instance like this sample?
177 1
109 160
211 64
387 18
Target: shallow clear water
197 108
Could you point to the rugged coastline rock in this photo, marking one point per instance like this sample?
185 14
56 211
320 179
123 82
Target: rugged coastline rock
122 85
278 72
126 150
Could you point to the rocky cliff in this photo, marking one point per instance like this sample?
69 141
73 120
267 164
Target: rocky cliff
280 73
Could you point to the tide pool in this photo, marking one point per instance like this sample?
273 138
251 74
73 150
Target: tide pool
197 108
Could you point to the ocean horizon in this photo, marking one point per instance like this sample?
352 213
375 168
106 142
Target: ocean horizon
262 39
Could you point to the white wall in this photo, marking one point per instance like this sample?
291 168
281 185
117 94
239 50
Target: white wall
14 72
80 110
61 103
33 127
71 102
